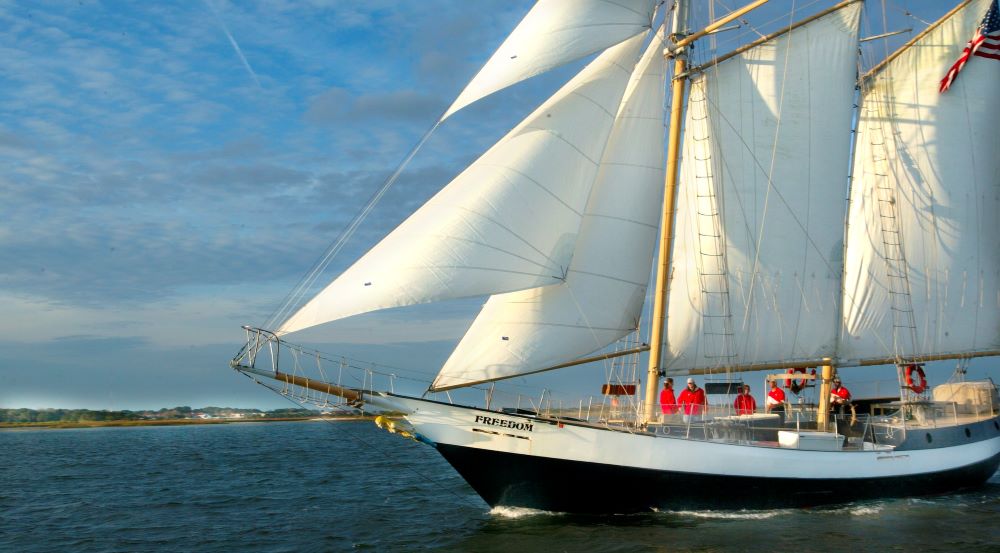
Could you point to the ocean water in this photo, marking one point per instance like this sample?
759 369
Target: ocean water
348 486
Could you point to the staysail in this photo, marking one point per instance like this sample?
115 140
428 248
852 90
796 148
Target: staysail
481 234
922 273
601 298
759 230
553 33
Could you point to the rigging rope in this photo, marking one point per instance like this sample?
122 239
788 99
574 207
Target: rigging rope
305 284
767 193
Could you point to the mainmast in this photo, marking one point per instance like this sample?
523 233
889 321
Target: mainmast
678 50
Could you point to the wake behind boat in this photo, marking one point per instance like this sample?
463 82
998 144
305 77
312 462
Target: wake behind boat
761 266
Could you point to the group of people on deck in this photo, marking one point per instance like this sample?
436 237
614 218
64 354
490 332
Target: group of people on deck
692 401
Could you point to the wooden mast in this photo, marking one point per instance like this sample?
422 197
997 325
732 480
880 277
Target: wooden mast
678 50
677 33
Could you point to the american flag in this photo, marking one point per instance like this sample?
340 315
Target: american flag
985 44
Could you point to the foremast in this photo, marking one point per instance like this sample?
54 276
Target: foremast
678 51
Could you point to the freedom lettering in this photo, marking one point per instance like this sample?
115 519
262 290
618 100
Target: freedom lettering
504 423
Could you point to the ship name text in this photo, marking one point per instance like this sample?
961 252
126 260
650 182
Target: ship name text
505 423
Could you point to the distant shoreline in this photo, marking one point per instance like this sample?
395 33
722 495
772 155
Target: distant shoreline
169 422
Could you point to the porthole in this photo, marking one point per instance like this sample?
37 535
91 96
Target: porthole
968 433
929 439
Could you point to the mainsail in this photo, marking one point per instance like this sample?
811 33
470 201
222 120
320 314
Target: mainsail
923 248
757 252
601 298
553 33
481 234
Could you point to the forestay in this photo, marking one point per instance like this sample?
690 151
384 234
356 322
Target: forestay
942 179
602 296
759 232
481 234
553 33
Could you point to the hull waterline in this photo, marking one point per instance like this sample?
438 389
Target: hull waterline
507 479
564 466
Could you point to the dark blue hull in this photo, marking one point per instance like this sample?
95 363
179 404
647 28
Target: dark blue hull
517 480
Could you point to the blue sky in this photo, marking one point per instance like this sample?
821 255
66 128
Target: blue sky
171 169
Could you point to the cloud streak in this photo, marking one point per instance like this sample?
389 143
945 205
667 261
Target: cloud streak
232 41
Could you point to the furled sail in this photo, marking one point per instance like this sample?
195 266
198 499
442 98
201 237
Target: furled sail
602 296
922 272
553 33
759 230
508 222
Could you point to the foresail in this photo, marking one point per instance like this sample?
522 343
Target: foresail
757 255
922 274
602 296
553 33
508 222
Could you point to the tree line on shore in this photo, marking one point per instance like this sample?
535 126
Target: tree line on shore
182 412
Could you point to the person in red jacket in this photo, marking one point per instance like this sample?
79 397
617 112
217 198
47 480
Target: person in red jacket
839 395
745 404
775 398
692 399
668 403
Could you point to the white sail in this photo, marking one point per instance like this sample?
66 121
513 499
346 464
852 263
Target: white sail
937 193
508 222
602 297
759 232
553 33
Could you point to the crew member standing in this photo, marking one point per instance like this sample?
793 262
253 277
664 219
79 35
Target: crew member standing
745 404
668 402
839 395
693 400
775 399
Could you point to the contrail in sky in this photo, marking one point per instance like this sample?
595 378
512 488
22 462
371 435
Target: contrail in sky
232 41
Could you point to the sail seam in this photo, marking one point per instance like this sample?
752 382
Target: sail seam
497 249
608 277
539 184
622 219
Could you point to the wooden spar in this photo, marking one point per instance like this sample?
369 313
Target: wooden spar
349 394
575 362
922 358
771 36
809 363
824 397
659 313
881 65
719 23
844 363
666 241
319 386
885 35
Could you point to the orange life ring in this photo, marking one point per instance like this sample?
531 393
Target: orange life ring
797 384
922 385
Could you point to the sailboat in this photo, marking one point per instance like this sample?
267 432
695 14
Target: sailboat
760 267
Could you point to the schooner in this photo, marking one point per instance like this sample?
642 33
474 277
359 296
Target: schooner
760 265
